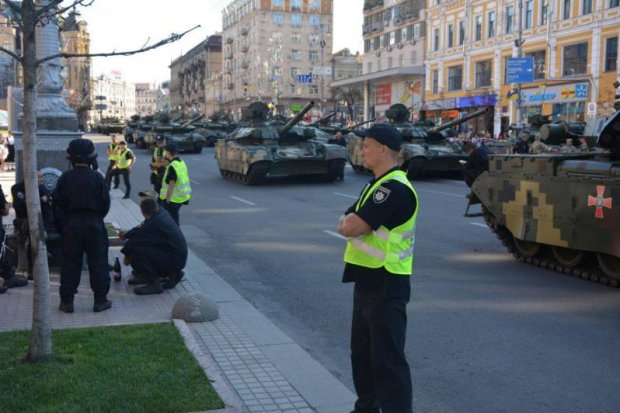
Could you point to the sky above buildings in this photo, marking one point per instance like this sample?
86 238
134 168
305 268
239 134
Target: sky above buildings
120 25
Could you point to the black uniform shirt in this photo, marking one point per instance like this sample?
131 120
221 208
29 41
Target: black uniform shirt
82 190
392 207
2 205
172 173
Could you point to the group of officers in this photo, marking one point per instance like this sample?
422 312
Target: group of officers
156 249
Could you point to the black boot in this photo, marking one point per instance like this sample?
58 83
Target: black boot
173 280
152 287
66 307
102 306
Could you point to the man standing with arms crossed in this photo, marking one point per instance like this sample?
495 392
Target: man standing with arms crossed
175 190
125 159
379 260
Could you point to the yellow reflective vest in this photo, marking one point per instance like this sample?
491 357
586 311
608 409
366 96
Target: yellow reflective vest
182 191
392 249
113 148
121 160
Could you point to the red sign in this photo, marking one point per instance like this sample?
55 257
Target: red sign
599 201
384 94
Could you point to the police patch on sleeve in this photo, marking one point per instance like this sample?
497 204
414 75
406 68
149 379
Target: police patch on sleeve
380 195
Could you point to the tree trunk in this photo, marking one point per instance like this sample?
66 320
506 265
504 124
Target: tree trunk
40 348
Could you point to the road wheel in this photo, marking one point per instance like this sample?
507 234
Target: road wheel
415 167
527 248
610 265
568 257
257 174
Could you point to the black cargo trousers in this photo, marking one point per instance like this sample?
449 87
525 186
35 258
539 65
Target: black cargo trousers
152 262
84 233
381 374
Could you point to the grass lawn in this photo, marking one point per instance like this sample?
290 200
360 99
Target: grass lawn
138 368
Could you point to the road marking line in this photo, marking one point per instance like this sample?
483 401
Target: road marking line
440 193
479 224
345 195
195 158
334 234
243 200
193 182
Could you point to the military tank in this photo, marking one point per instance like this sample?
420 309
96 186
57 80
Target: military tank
425 148
261 147
130 128
185 138
560 210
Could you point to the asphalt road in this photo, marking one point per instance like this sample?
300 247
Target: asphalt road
486 333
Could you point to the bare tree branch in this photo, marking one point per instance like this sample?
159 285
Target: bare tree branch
170 39
50 10
16 10
12 54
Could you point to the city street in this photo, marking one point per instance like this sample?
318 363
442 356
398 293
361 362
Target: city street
486 333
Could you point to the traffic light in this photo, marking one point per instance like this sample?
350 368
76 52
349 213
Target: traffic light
617 103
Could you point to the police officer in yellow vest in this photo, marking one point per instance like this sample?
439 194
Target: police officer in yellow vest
158 163
176 190
112 154
379 260
125 159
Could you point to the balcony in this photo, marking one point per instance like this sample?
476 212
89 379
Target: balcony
245 31
370 4
245 64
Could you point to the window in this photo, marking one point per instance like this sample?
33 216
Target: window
376 42
529 14
392 38
296 5
366 45
403 34
369 67
461 32
450 35
314 20
510 13
614 3
566 13
296 38
611 54
586 7
416 30
314 39
544 12
313 89
313 55
315 5
295 55
390 62
277 19
435 77
478 28
491 32
575 59
455 78
294 72
483 73
277 4
436 40
539 63
296 19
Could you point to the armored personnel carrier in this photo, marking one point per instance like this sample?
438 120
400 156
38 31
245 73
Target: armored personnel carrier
424 150
560 210
260 148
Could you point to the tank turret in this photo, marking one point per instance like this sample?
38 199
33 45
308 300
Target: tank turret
559 210
261 147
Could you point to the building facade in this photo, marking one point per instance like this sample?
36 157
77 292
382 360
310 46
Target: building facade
393 60
573 43
189 74
277 51
76 39
113 97
147 97
9 69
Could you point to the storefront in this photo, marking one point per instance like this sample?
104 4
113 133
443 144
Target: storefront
563 102
444 110
406 92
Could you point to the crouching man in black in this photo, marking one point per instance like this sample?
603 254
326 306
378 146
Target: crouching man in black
154 249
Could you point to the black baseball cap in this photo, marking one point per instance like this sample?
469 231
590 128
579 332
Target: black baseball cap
122 143
172 147
383 133
159 138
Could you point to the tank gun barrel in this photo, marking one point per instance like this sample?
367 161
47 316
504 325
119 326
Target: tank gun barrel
455 122
176 118
323 119
357 125
191 121
296 119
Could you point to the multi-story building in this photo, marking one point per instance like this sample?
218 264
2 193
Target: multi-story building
75 39
393 60
163 100
189 75
113 97
8 66
345 65
574 44
147 96
268 44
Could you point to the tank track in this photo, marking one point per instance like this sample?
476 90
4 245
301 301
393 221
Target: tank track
255 176
584 272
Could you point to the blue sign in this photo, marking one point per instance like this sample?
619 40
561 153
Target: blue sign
474 101
520 69
581 90
304 78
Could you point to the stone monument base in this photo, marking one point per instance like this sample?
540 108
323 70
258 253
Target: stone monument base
51 151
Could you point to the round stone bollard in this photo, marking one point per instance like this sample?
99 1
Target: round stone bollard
195 308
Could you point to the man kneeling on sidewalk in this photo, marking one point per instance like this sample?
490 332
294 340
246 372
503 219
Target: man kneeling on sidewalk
155 249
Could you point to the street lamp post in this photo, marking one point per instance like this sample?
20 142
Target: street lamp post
520 54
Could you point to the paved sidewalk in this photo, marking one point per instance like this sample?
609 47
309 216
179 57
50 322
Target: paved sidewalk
254 366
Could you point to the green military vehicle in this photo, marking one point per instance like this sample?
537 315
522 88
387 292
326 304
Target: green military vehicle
425 150
211 130
110 125
261 147
164 125
144 126
130 128
185 137
560 210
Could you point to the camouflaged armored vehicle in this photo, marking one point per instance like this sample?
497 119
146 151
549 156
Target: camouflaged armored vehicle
130 128
110 125
185 138
144 126
424 149
164 125
260 148
560 210
212 130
